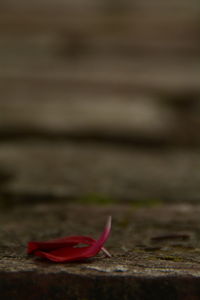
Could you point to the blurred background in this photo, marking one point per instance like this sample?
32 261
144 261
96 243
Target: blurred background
100 100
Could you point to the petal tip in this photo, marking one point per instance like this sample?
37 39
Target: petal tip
109 222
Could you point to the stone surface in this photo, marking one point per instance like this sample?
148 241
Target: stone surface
155 253
100 68
126 26
138 102
76 114
34 171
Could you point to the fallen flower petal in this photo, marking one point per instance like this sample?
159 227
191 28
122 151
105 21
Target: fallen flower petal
59 243
64 250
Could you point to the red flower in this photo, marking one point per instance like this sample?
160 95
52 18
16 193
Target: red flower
64 250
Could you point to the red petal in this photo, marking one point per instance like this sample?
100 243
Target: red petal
59 243
62 250
96 247
64 254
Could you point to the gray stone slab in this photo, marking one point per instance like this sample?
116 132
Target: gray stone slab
65 170
155 253
55 111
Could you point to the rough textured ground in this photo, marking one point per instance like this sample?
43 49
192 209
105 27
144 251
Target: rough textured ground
155 253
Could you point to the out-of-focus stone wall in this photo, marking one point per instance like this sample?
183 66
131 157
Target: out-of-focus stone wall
101 68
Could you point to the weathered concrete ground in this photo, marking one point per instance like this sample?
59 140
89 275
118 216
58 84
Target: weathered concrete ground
155 252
